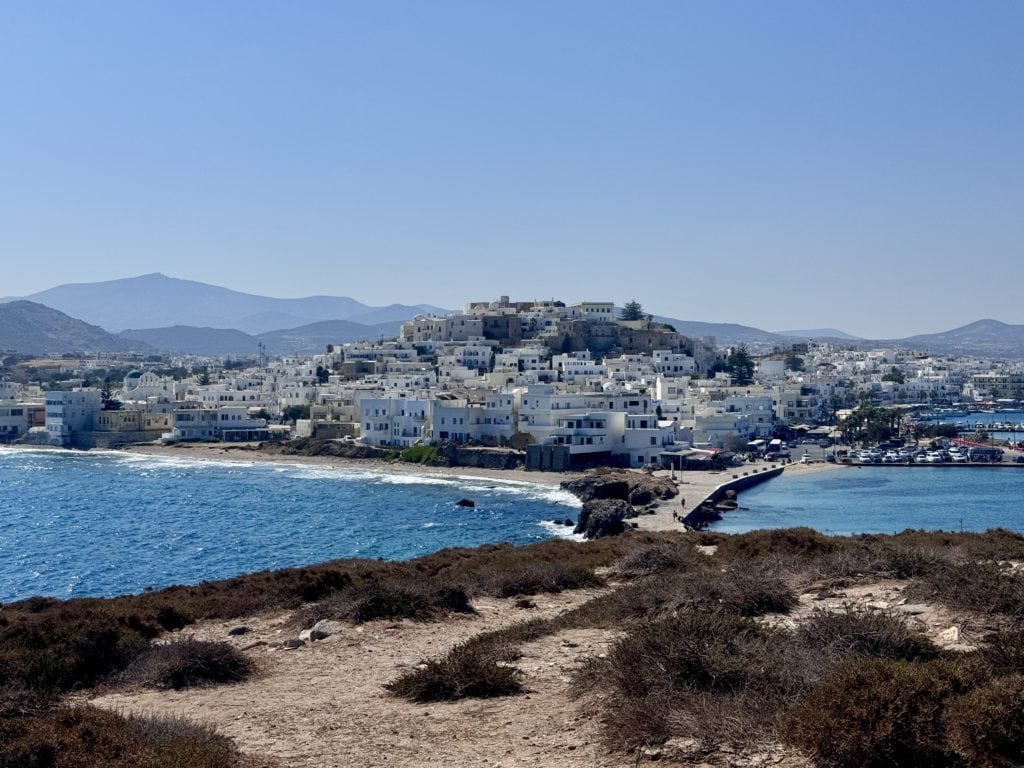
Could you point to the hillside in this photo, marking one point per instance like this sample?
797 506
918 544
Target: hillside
158 301
227 342
984 338
726 334
190 340
32 328
313 338
819 333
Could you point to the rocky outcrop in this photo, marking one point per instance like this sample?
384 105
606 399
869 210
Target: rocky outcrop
603 517
638 488
340 448
484 458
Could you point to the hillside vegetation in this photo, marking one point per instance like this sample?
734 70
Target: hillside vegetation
720 646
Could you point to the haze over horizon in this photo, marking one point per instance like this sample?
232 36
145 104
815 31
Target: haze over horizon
802 165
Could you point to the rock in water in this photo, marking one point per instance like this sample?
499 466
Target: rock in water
465 503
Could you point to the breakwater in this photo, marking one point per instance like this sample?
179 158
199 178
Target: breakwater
706 512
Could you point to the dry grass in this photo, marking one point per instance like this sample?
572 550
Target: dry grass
187 664
86 737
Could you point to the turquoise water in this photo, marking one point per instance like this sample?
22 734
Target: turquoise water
880 499
103 523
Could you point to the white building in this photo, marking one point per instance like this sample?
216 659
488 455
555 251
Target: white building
70 412
196 421
395 421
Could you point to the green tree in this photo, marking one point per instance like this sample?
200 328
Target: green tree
741 366
895 375
794 363
110 403
632 311
293 412
872 424
322 374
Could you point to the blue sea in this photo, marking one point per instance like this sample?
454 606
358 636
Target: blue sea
991 422
76 524
884 499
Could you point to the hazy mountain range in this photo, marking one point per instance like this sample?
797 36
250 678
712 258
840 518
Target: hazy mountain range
182 316
33 329
158 301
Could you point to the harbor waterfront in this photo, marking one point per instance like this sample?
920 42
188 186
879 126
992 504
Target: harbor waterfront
884 499
77 524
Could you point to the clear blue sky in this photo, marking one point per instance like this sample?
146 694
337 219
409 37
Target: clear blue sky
783 164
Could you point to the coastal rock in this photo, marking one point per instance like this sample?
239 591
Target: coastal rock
603 517
639 497
591 488
701 516
465 503
293 642
325 628
305 635
621 484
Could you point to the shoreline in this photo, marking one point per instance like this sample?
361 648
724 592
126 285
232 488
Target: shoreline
693 487
245 453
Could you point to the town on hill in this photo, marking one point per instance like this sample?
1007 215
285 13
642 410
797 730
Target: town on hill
566 385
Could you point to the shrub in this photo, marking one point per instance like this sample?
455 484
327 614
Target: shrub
534 578
802 543
65 649
692 650
419 454
1004 652
390 598
880 635
657 558
745 590
986 725
470 670
710 676
987 587
187 664
87 737
881 713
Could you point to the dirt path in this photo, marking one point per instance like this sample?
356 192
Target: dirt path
324 704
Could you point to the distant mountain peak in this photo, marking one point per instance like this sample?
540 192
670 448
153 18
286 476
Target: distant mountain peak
157 301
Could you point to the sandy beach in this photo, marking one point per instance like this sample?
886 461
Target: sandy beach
247 453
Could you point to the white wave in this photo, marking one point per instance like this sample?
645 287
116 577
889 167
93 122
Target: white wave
560 531
465 483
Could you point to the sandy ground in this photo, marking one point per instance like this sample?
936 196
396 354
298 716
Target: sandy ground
324 704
